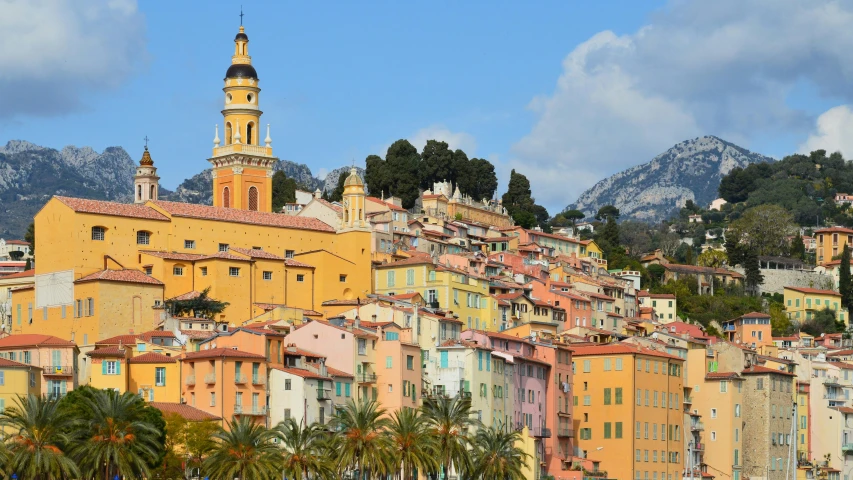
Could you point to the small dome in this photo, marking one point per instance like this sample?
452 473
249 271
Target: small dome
241 70
353 179
146 158
241 35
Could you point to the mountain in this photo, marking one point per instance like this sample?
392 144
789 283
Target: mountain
30 174
691 170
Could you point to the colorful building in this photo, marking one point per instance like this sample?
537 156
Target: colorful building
802 303
751 329
18 380
56 357
830 242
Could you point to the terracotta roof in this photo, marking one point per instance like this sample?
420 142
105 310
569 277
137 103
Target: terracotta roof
847 410
198 334
221 352
184 257
34 339
156 334
405 296
387 204
233 215
759 369
334 372
408 261
152 357
119 340
17 242
337 208
815 291
181 409
107 352
661 295
300 352
299 372
255 253
112 208
839 353
289 262
720 375
614 349
6 363
834 229
125 276
26 287
26 273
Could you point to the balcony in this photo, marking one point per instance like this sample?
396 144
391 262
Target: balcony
847 449
832 382
366 378
323 394
688 400
258 380
728 328
190 380
58 370
210 378
242 148
698 447
697 426
240 379
249 410
542 432
565 432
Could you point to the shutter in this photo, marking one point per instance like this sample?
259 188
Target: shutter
347 389
2 404
444 360
103 367
151 395
57 358
118 367
338 389
63 389
466 386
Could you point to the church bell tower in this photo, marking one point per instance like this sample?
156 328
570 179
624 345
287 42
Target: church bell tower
242 162
145 182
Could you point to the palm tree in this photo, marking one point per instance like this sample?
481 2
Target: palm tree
116 439
244 450
449 420
411 442
495 454
37 441
303 450
363 445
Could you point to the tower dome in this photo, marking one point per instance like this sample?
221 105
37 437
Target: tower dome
353 179
146 158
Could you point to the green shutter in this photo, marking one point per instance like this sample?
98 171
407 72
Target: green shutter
338 389
346 390
103 367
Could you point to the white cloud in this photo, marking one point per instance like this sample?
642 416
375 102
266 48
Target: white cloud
832 132
723 68
53 50
455 140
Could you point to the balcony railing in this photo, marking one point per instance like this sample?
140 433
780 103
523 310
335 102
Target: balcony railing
542 433
249 410
847 448
258 380
565 432
697 426
323 394
366 378
240 379
58 370
190 380
210 378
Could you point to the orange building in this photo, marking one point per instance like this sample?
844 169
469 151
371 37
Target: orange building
398 370
830 242
225 382
627 410
750 329
56 357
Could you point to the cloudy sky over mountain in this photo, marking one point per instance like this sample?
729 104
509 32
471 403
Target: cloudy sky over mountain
565 92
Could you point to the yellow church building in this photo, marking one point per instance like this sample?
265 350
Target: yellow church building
107 268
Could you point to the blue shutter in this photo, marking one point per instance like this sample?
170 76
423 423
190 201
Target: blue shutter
444 359
480 360
338 389
103 367
346 389
118 367
151 395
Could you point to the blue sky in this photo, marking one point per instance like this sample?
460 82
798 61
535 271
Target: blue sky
566 92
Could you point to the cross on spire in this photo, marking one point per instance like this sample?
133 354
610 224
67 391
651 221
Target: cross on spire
241 15
146 142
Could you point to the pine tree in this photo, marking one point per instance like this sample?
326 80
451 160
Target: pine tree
751 266
734 251
845 283
798 248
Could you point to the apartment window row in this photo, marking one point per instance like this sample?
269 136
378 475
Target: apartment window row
83 307
642 430
643 456
655 399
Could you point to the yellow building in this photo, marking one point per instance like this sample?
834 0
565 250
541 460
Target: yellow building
155 377
17 380
107 268
804 441
443 287
802 303
628 413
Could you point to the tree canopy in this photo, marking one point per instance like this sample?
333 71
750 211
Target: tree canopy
283 190
520 204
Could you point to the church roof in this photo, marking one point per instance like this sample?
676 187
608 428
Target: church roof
234 215
116 209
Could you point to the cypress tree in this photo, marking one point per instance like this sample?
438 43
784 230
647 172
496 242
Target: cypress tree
845 285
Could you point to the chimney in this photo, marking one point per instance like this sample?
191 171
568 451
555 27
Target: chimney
357 322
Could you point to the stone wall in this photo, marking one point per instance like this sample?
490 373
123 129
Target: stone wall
776 280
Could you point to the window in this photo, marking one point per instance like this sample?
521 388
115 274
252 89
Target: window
178 271
110 367
98 233
410 362
389 362
189 244
737 410
203 271
160 376
289 253
637 430
724 386
618 430
148 271
342 278
713 436
618 364
607 398
143 237
233 271
253 191
586 366
713 413
223 247
267 275
606 364
390 279
607 430
212 399
300 277
287 384
618 397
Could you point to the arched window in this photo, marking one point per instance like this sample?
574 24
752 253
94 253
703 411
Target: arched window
153 194
253 199
143 237
139 192
98 233
249 131
226 197
228 138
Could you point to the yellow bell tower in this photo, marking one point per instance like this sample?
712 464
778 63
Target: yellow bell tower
242 166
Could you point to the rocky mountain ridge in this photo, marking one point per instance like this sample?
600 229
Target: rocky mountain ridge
690 170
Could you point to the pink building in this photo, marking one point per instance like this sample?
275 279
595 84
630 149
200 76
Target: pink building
56 357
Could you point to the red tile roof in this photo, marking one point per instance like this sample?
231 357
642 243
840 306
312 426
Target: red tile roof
299 372
408 261
26 273
187 296
255 253
221 352
119 340
100 207
334 372
198 334
815 291
189 413
720 375
152 357
107 352
614 349
387 204
289 262
125 276
234 215
184 257
757 369
6 363
17 242
34 339
337 208
405 296
834 229
661 295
